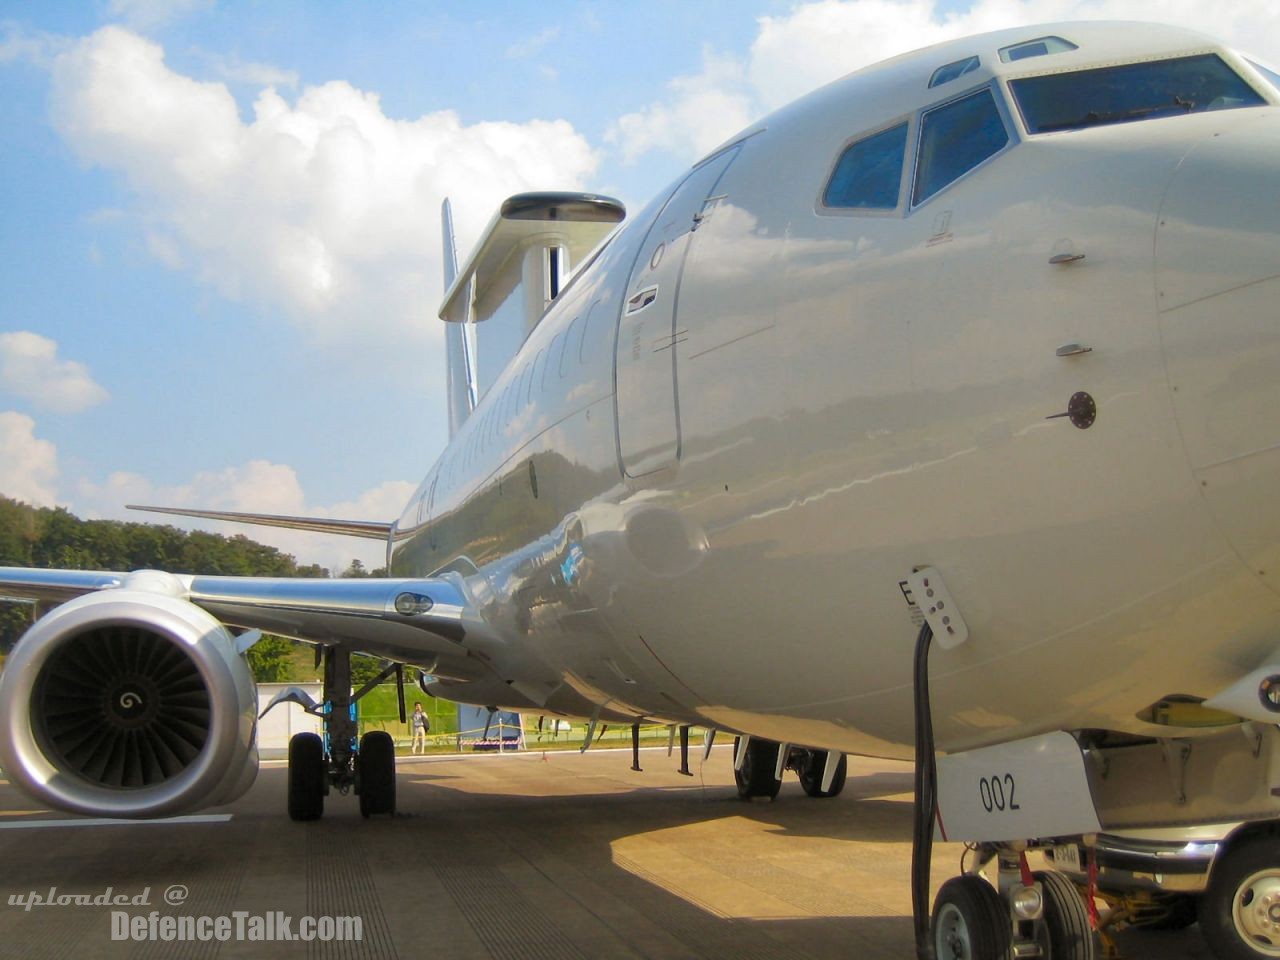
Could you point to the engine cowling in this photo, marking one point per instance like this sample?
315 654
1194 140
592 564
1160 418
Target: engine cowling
131 702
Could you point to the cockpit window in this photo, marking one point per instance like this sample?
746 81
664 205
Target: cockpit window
1040 47
1134 91
1272 77
949 71
955 138
869 173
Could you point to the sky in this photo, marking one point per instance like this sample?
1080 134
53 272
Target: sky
219 221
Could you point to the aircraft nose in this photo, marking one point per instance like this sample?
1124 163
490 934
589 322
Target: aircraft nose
1218 292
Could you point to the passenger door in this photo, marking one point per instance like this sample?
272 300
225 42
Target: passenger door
648 330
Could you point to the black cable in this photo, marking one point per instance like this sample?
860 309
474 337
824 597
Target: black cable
926 799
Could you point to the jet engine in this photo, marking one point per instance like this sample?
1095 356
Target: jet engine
129 702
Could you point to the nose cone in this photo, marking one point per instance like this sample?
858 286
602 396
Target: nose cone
1218 291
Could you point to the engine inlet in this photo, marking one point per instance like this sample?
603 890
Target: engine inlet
122 707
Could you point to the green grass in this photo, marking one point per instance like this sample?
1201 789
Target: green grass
379 711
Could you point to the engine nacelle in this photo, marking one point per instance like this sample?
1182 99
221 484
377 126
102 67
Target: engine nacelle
131 702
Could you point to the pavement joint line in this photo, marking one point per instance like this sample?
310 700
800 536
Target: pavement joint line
112 822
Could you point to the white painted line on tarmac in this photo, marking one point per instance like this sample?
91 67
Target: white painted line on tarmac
110 822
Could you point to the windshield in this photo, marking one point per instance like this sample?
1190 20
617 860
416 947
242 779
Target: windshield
1134 91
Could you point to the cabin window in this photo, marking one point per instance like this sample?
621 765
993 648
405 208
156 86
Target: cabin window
586 328
1040 47
511 399
534 375
868 174
556 344
955 138
526 381
1133 91
950 71
564 348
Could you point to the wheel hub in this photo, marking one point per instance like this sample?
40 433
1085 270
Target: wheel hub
1256 911
952 935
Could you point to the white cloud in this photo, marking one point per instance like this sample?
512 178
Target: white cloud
28 466
818 42
234 70
30 368
149 14
699 113
258 486
534 44
322 204
18 44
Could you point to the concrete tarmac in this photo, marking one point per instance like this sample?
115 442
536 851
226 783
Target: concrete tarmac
520 857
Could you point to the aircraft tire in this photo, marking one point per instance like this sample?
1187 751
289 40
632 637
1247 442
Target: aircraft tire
811 775
755 778
1066 918
970 921
1238 909
377 773
306 777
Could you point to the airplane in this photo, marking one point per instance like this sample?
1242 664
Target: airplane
931 417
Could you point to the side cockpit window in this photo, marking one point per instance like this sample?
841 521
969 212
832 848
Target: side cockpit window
868 175
955 138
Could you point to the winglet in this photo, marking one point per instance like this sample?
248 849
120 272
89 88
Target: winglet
368 529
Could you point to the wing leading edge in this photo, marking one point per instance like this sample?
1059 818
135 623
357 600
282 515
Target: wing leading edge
368 529
417 621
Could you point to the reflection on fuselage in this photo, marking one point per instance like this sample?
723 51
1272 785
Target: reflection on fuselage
857 394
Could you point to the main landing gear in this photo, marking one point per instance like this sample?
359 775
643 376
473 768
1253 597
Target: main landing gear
758 774
336 761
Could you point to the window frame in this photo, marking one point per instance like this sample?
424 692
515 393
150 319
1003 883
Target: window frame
1013 135
820 204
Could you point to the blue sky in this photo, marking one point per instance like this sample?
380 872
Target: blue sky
220 243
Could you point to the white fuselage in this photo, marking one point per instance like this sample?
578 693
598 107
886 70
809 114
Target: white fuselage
703 509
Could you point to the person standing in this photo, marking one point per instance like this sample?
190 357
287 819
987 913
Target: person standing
419 725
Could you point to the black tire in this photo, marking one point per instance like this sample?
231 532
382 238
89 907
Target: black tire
306 777
970 921
376 774
1066 919
811 775
755 778
1240 910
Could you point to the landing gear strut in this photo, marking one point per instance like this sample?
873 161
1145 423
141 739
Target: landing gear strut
317 765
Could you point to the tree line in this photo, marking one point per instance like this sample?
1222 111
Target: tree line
54 537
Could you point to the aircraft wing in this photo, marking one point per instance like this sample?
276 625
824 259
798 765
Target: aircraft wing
368 529
409 620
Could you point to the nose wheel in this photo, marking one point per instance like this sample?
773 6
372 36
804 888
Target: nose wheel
970 921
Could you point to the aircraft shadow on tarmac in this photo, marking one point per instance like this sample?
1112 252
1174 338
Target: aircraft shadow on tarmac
604 863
